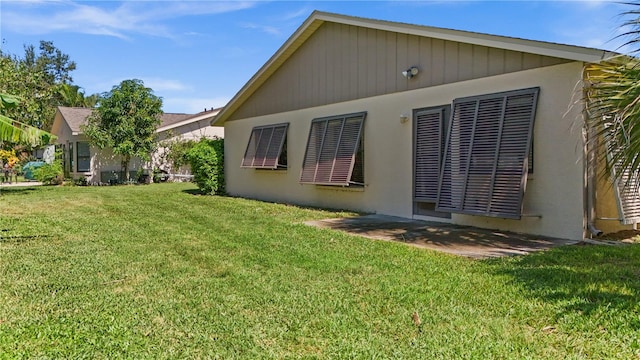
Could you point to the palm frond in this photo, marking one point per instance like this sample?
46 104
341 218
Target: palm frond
613 107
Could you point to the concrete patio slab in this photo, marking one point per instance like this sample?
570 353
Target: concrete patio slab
454 239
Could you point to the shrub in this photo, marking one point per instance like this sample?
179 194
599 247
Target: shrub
81 181
206 158
50 173
178 151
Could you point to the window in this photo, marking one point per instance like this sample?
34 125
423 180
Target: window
335 154
485 164
626 187
71 157
267 148
83 156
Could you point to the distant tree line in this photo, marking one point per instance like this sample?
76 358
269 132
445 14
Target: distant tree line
41 79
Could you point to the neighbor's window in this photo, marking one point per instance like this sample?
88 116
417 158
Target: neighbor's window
83 156
335 151
485 164
267 148
71 157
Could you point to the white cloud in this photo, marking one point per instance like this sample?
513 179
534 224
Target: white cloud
264 28
284 22
304 12
140 17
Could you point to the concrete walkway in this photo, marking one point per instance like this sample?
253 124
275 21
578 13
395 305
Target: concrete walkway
24 183
454 239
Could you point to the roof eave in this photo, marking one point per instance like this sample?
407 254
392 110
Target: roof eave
207 116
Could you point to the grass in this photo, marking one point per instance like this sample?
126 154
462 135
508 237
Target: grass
158 272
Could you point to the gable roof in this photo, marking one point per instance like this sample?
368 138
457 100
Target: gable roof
317 18
172 121
75 117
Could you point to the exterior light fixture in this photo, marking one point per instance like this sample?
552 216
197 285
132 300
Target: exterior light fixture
410 72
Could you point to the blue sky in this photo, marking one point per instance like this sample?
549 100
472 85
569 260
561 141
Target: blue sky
197 54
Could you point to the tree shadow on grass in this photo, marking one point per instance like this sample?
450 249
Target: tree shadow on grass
193 192
16 190
584 280
339 212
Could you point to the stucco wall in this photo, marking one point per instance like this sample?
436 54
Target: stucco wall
554 191
193 131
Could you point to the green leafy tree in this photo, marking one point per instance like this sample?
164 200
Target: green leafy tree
51 61
35 79
126 120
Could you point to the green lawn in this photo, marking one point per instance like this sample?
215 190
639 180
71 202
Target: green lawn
158 272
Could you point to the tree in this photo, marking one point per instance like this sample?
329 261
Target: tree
73 95
51 61
126 120
35 79
613 107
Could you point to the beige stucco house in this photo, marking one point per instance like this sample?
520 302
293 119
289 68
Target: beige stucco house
424 123
101 166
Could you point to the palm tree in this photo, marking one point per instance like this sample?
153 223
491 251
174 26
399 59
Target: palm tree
613 107
73 95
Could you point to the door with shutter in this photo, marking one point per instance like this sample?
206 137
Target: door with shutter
429 125
486 161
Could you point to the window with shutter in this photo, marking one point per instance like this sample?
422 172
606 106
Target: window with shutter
428 130
626 189
485 165
428 152
267 147
334 150
628 199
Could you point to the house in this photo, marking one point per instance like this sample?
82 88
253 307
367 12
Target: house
425 123
101 166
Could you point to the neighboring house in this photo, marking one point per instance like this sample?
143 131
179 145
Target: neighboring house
102 166
425 123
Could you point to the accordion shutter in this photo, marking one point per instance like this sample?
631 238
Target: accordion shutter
428 153
331 150
629 200
487 152
627 193
265 146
